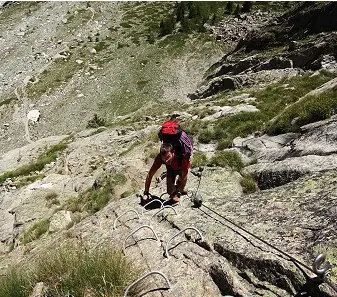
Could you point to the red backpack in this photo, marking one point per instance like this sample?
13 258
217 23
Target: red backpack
171 132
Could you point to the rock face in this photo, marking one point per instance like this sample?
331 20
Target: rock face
233 72
284 158
228 261
305 19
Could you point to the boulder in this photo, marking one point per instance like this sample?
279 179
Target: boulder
319 138
33 115
218 84
60 220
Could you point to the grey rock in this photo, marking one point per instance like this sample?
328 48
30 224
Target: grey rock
60 220
270 175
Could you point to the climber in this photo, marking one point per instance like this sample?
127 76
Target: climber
175 152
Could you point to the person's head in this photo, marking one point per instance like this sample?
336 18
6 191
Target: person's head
167 153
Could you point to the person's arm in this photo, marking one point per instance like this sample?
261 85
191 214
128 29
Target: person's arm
155 166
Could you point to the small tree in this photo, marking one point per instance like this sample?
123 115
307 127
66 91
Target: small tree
229 7
237 9
166 26
247 6
96 122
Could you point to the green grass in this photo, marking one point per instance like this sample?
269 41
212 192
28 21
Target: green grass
309 110
60 72
199 159
248 184
7 101
35 231
26 180
43 159
271 101
72 270
231 159
93 200
15 284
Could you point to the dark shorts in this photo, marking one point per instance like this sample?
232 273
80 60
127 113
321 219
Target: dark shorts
171 172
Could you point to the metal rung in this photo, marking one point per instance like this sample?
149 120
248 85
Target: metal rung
164 194
166 206
144 276
130 210
157 200
133 232
319 260
188 228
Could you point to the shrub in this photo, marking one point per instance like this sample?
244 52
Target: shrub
224 144
14 284
227 158
199 159
205 136
96 122
248 184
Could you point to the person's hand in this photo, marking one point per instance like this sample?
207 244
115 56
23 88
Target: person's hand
146 195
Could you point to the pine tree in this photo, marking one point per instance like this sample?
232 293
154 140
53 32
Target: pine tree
229 7
166 26
247 6
181 8
237 9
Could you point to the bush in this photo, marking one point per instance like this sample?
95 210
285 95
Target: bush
96 122
199 159
224 144
248 184
227 158
15 284
205 136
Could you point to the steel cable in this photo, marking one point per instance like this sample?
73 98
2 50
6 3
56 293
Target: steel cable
272 246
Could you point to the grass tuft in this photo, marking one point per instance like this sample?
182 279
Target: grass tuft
309 110
248 184
94 200
199 159
45 158
35 231
72 270
227 158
